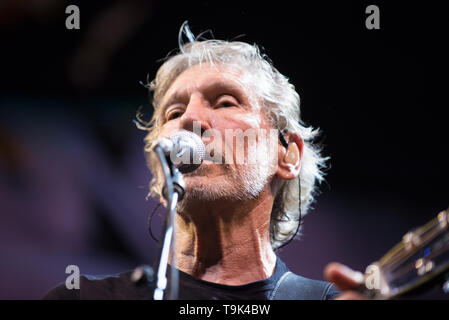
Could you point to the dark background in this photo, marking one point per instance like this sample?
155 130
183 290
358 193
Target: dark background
73 179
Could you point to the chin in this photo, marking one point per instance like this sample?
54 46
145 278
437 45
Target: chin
214 181
204 183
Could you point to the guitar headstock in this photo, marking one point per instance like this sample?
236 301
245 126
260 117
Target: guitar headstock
418 262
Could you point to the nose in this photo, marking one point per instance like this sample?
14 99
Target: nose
196 115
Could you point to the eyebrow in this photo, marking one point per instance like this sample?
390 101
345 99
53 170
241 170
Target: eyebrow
176 96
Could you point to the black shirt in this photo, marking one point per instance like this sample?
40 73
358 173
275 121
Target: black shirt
282 285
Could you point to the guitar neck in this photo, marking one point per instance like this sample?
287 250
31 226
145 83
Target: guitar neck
417 263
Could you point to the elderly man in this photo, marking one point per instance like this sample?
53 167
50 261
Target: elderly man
234 214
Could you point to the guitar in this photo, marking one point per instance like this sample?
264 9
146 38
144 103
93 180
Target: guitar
416 264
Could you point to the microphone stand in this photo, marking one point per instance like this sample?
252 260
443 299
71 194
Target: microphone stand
173 192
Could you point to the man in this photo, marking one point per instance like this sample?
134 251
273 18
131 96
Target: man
236 211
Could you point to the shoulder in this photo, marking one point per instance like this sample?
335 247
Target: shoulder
294 287
122 286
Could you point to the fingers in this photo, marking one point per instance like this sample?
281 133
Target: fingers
342 276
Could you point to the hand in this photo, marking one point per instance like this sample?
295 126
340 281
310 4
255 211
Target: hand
345 279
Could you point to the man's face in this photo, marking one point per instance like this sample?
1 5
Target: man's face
213 99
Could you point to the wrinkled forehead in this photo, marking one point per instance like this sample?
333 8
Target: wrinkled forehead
208 76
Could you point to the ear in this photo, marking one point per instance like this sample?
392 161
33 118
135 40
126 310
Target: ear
289 159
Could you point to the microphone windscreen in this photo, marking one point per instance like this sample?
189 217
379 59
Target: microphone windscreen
187 141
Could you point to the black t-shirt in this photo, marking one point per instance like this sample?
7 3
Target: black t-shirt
124 286
193 288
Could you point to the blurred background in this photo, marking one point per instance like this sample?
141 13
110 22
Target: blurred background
73 180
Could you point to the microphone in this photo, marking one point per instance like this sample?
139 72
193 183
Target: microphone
184 149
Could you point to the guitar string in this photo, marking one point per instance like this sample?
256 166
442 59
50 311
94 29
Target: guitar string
399 252
408 268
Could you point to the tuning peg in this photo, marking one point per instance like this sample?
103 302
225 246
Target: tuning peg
411 240
443 219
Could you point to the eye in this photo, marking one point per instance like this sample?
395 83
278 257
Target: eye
173 113
226 104
226 101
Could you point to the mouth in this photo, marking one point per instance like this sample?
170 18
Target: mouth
211 157
209 168
209 162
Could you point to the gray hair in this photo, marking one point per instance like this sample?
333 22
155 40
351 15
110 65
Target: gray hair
280 103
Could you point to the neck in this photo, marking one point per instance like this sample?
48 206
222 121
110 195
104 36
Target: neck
226 242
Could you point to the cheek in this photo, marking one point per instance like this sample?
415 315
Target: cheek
254 122
235 121
231 126
168 129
